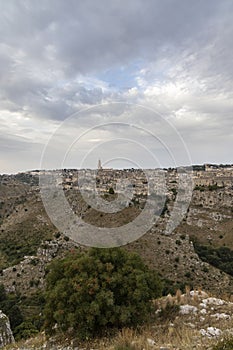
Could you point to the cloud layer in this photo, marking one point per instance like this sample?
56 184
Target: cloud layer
59 57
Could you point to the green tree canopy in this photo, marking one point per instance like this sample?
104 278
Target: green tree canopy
99 289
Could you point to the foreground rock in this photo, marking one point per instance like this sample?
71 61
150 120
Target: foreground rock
6 336
199 322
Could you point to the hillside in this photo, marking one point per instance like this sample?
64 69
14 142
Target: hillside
25 228
29 241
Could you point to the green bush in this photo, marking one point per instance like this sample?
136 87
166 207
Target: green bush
102 288
188 274
25 313
174 191
8 304
226 344
57 235
111 190
25 330
221 257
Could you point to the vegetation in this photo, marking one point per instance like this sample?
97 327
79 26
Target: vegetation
22 312
25 330
8 304
165 208
222 257
126 340
213 187
111 190
169 312
29 179
199 188
226 344
104 288
174 191
23 240
125 347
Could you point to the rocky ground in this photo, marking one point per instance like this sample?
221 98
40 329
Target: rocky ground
198 322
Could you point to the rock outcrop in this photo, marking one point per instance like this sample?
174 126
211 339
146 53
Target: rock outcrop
6 335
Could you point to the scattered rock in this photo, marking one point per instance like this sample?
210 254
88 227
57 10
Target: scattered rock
187 309
150 342
211 332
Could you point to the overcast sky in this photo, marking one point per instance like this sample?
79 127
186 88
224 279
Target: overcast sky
136 83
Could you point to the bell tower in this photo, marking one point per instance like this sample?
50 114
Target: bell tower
99 165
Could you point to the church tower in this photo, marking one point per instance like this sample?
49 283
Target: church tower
99 165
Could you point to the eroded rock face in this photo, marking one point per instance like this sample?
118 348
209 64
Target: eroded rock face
6 336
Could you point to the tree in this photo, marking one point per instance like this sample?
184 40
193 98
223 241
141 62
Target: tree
2 293
8 304
111 190
102 288
25 330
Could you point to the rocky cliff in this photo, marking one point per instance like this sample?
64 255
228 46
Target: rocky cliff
6 336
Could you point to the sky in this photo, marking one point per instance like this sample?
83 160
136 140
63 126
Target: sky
136 83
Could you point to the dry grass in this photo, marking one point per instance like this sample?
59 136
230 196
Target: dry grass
179 338
33 343
180 332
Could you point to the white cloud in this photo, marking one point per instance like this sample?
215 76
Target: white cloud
52 55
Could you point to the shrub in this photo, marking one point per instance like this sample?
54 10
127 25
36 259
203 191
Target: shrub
221 257
3 295
57 235
111 190
31 283
174 191
25 330
213 187
125 340
205 269
165 208
199 188
226 344
8 304
102 288
34 262
169 312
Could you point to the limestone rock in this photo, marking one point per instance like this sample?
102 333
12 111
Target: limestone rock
6 336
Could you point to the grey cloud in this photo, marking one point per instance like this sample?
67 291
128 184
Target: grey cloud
47 42
19 154
12 144
92 35
47 46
